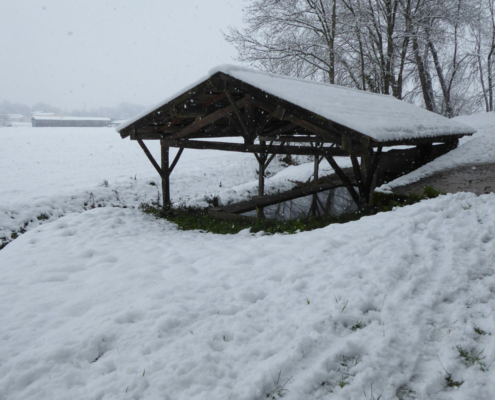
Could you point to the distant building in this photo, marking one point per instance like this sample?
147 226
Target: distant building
44 121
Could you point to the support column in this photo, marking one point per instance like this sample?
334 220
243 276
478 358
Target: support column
261 177
317 163
166 175
366 174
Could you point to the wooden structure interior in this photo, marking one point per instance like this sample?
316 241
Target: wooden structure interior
226 107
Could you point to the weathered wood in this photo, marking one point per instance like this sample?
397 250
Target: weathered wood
166 175
176 160
371 174
150 157
430 140
344 179
158 113
285 129
270 159
268 200
359 177
209 119
261 175
214 99
267 149
238 114
296 139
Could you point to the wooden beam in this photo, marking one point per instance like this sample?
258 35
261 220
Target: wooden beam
176 159
344 179
261 173
287 128
371 173
414 142
158 113
150 157
268 200
266 149
213 100
166 175
296 139
238 114
359 177
209 119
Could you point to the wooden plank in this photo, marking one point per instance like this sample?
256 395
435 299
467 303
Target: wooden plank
268 200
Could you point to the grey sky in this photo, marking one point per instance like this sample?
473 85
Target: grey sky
90 53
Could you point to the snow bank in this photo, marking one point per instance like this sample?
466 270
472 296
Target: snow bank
477 149
112 304
380 117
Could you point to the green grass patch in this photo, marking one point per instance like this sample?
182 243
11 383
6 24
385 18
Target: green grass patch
471 357
188 218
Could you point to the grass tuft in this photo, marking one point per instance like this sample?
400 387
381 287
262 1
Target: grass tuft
358 325
479 331
471 357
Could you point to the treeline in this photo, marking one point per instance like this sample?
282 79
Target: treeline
122 111
437 52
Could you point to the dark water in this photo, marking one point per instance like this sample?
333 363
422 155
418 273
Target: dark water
334 202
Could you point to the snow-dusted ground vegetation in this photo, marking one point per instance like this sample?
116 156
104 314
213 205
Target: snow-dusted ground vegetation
100 301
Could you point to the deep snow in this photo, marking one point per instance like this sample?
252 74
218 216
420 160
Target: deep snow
109 303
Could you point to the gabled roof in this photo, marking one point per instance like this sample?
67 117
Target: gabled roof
379 118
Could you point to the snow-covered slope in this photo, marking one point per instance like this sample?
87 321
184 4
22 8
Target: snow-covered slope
112 304
477 149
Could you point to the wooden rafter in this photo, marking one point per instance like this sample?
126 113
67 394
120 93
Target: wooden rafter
255 148
209 119
238 114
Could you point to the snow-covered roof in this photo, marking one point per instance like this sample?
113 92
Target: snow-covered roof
71 118
381 117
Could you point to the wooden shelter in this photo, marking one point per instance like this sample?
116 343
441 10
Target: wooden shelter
279 115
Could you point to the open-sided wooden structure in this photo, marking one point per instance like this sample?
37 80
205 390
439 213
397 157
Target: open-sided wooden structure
278 115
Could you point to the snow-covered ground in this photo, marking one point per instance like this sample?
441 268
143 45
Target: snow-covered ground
109 303
476 149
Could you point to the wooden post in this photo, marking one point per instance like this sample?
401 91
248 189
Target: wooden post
317 163
166 175
261 177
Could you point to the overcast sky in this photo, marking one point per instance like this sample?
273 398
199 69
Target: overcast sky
90 53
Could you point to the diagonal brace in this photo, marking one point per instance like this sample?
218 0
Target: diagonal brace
344 179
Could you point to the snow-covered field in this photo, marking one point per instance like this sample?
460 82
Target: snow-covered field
109 303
